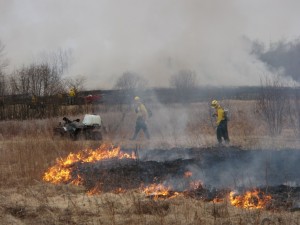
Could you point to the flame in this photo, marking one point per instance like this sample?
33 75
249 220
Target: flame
250 200
78 181
156 190
188 174
159 191
94 191
61 171
217 200
196 184
119 191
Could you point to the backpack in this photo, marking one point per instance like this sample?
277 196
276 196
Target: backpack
226 114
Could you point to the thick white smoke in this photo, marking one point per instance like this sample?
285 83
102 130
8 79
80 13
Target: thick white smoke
152 38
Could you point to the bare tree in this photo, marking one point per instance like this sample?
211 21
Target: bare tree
59 61
130 81
42 78
3 86
76 82
185 81
3 65
272 103
3 60
294 110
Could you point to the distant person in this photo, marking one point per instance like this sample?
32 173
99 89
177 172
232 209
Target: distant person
33 99
72 94
222 130
141 120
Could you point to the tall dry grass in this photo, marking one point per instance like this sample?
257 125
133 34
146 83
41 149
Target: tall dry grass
48 204
28 148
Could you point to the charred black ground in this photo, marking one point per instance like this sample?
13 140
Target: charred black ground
220 170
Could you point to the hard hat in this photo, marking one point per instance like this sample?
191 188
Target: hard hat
214 103
136 98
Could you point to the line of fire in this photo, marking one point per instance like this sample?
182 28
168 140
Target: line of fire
251 179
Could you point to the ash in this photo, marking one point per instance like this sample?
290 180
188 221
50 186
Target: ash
218 169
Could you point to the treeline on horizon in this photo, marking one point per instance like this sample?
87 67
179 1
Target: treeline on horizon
162 95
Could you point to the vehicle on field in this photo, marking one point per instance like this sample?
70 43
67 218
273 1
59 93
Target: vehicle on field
90 128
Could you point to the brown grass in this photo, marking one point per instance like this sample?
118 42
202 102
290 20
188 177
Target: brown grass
28 148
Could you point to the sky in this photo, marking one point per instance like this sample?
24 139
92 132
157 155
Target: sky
153 38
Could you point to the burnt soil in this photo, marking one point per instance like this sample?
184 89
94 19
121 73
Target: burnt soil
220 170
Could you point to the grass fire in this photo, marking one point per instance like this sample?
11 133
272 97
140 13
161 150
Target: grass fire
61 171
179 176
250 200
108 168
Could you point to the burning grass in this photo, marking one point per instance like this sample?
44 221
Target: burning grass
61 171
250 200
68 204
28 151
108 169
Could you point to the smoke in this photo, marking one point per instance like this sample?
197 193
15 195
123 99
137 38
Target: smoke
154 38
282 57
234 168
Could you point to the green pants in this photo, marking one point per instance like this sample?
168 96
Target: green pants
140 124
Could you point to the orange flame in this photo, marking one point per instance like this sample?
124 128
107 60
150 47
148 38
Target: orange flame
94 191
250 200
188 174
61 172
156 190
196 184
217 200
159 191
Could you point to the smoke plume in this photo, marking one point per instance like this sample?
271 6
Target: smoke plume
154 38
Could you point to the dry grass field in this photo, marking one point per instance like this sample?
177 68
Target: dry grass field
28 149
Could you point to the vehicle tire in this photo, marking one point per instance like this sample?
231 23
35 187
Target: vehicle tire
74 135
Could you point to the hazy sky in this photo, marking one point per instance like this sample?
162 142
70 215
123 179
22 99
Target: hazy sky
154 38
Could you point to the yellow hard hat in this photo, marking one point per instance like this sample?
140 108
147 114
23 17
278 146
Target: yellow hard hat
214 103
136 98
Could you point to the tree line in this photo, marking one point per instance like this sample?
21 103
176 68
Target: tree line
277 102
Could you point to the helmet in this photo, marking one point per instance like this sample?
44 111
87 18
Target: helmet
137 98
214 103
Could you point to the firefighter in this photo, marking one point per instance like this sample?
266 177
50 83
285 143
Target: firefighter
222 130
72 94
141 120
33 99
33 104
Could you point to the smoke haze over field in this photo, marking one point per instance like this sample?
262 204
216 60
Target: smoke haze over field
152 38
281 56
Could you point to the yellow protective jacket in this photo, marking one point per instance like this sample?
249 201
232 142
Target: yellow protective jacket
220 114
33 99
141 111
72 92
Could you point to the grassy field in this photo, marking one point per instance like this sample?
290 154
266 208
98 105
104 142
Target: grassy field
28 149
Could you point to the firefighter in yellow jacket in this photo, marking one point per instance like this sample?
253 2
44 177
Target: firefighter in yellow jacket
141 120
72 94
222 130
